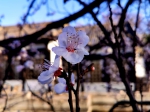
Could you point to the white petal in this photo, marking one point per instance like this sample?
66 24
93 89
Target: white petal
84 39
62 39
82 49
52 69
56 61
72 78
74 57
45 77
59 50
62 80
60 88
69 29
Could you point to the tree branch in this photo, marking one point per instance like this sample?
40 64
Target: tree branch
106 33
123 15
32 37
127 102
69 87
28 12
41 99
77 88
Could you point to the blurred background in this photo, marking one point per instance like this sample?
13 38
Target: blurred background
119 47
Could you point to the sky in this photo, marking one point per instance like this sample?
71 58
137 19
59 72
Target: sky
13 10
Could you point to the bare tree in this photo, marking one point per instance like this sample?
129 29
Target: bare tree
120 24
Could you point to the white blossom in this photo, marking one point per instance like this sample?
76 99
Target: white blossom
72 45
49 71
61 86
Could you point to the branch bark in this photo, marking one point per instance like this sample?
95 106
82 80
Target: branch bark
69 87
118 55
124 102
77 89
32 37
106 33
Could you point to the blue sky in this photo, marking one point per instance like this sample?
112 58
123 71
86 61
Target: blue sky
13 10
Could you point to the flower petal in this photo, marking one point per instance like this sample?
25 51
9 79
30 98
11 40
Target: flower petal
60 88
84 39
59 51
82 49
45 77
62 39
74 57
52 69
56 61
69 29
62 80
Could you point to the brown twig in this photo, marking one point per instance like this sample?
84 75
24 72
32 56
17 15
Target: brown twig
28 11
77 88
25 40
8 71
41 99
123 16
119 4
124 102
137 17
5 101
118 56
69 87
106 33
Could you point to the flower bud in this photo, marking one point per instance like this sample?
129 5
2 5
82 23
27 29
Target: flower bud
91 67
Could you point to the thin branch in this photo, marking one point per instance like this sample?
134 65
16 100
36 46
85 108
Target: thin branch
106 33
8 71
5 101
28 12
126 83
127 102
77 88
123 16
41 99
119 4
137 17
98 56
119 60
26 40
114 31
112 26
69 87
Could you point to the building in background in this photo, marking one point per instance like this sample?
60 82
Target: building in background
105 69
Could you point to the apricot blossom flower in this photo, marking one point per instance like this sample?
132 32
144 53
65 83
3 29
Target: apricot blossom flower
71 45
61 86
49 71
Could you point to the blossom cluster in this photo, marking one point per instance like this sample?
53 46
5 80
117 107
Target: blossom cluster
72 48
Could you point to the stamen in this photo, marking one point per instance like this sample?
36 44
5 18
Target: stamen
72 43
70 49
